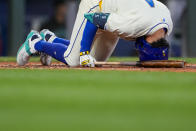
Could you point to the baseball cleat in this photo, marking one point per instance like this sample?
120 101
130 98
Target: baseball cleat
27 49
47 36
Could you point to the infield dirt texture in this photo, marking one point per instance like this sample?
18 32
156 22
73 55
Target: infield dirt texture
9 63
37 98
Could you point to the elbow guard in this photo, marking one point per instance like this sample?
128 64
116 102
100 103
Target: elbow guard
98 19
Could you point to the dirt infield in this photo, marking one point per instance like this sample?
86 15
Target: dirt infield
56 65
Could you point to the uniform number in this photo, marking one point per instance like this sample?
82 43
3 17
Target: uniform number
150 2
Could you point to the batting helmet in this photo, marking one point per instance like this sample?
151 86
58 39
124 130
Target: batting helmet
156 51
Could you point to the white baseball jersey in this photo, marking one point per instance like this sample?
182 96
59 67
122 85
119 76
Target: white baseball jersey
131 19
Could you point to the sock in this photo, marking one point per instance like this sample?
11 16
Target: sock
56 50
61 41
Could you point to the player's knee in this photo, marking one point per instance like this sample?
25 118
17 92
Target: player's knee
72 62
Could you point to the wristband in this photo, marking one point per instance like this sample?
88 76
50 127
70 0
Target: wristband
84 53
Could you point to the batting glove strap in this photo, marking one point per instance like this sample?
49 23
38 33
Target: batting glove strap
85 62
84 53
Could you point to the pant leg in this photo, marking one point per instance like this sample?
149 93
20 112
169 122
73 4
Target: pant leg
72 54
104 45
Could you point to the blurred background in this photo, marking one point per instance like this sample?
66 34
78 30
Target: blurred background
18 17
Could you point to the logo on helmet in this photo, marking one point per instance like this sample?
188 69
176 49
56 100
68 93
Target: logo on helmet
164 53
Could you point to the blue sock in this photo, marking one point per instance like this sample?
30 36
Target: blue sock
61 41
56 50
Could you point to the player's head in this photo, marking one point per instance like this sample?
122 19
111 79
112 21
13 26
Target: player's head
158 50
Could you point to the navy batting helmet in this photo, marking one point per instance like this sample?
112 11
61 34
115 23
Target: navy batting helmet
156 51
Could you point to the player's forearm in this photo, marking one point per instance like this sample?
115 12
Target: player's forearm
88 37
106 21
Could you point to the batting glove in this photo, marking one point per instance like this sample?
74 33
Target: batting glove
87 60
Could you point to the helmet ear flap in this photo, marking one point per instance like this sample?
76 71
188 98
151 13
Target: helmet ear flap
139 44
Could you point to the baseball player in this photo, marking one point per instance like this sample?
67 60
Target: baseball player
98 27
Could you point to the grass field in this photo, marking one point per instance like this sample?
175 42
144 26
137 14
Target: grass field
76 100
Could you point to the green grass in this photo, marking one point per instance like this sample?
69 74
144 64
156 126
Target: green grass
75 100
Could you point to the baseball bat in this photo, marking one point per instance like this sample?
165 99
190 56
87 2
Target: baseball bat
147 64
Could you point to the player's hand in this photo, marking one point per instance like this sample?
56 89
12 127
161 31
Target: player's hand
87 60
